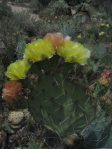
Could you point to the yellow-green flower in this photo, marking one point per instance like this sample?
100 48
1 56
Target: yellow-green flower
101 33
104 25
107 25
39 50
18 70
74 52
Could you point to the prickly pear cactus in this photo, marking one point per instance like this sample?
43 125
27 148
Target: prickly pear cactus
57 102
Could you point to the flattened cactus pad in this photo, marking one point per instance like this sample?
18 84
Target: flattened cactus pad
60 104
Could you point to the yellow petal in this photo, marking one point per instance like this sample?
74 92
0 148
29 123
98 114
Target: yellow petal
18 70
101 33
74 52
39 50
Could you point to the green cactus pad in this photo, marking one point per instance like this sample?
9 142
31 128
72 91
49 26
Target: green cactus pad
57 102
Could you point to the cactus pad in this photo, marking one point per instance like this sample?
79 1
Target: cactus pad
57 102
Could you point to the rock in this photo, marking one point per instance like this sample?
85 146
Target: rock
20 118
15 117
27 115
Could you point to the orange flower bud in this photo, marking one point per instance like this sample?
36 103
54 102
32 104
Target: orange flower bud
107 73
105 78
11 90
56 39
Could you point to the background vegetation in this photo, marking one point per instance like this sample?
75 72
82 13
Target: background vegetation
86 21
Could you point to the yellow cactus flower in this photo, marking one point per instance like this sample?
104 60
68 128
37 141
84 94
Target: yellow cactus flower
104 25
39 50
18 70
101 33
74 52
